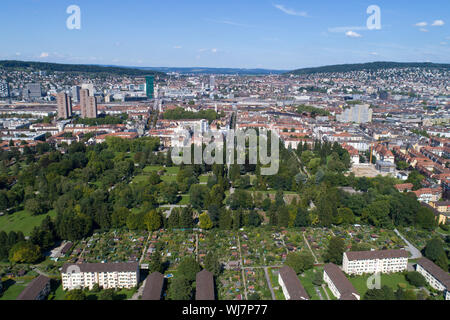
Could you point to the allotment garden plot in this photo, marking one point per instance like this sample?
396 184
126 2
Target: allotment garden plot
113 246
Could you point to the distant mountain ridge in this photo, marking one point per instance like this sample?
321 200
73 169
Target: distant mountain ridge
82 68
371 66
205 70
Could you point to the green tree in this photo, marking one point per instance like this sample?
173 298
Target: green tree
335 250
153 220
25 252
300 262
180 289
434 250
212 263
205 221
76 294
416 279
189 268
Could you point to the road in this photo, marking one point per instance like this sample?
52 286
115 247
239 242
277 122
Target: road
266 272
307 243
415 253
242 264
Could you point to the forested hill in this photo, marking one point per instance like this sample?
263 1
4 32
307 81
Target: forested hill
76 68
372 66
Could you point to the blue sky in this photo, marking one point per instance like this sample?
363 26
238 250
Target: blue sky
278 34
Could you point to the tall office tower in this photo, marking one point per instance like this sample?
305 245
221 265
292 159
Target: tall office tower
76 94
64 105
90 87
149 86
3 89
212 82
88 104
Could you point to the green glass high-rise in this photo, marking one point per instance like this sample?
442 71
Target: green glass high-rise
149 86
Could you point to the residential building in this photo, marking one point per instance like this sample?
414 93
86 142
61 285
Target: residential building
384 261
436 277
204 286
338 283
88 104
106 275
291 285
64 103
361 113
76 94
153 287
38 289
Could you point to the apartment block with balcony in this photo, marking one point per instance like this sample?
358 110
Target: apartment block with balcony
106 275
382 261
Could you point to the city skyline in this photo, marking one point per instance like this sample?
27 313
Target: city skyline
253 34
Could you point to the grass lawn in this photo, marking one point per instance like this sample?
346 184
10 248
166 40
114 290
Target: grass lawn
306 280
22 221
59 293
185 199
391 280
279 295
169 178
203 178
13 288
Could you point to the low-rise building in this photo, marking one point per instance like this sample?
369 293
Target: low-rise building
383 261
106 275
38 289
153 287
436 277
291 285
338 283
204 286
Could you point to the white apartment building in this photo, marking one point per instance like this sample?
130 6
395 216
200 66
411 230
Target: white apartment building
338 283
383 261
106 275
436 277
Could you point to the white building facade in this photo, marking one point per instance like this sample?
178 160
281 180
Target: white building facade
106 275
383 261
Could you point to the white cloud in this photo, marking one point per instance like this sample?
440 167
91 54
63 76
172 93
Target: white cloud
423 30
231 23
421 24
353 34
374 53
214 50
44 55
443 43
438 23
177 47
290 12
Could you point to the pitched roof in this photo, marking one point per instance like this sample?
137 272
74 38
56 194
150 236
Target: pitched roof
380 254
435 271
153 287
342 284
293 284
33 289
204 286
104 267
